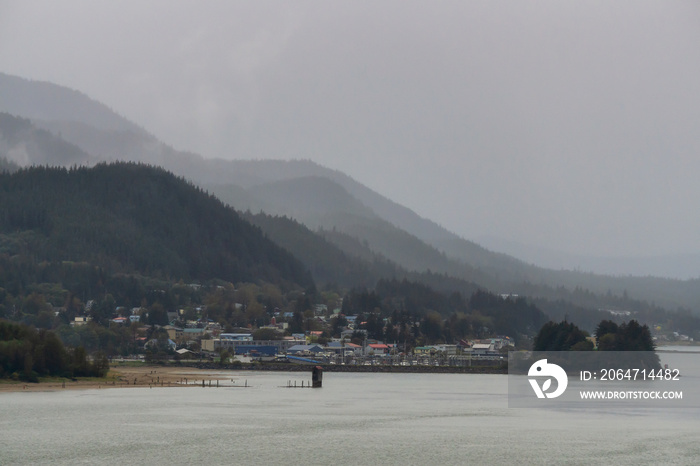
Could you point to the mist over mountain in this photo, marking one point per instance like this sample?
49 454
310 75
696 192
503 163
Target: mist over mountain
7 166
40 100
309 199
328 262
336 258
676 266
23 144
335 205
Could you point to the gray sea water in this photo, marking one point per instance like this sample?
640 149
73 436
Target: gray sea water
356 418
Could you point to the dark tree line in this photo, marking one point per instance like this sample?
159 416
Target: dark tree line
561 336
439 317
610 336
130 217
627 336
27 354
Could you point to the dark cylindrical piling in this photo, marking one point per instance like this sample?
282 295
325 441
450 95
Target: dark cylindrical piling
317 377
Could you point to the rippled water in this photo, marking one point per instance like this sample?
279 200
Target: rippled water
354 419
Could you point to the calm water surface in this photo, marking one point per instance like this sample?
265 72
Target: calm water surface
363 419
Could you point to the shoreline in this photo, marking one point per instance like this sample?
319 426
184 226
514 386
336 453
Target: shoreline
195 374
120 376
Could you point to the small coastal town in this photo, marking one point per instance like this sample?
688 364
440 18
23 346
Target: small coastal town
464 229
205 340
298 348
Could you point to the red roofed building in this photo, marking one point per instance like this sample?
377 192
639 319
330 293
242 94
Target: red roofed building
377 349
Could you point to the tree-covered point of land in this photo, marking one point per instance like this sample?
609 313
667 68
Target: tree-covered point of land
610 336
627 336
27 354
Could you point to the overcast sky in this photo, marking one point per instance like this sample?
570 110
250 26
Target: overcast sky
573 125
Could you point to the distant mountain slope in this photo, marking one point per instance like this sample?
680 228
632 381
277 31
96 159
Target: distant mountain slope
319 202
677 266
392 230
136 218
383 226
260 173
336 258
300 198
106 144
327 263
24 144
99 131
468 261
40 100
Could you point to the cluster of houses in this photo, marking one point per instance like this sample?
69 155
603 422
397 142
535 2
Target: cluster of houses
209 337
194 332
300 345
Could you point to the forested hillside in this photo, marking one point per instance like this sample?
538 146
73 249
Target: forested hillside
341 205
372 237
442 316
340 261
328 264
133 218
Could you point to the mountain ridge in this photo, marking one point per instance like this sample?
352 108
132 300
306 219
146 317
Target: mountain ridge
449 252
43 100
134 218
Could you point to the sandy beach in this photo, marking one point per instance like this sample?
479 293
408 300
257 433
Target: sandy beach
124 376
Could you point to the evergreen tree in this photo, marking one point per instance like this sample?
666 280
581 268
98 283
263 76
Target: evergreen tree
560 336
